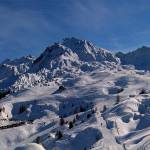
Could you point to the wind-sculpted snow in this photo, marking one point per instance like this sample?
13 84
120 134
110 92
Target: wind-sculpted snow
101 109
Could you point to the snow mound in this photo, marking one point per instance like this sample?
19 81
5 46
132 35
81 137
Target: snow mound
89 136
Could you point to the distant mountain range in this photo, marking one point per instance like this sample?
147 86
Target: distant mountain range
140 58
68 58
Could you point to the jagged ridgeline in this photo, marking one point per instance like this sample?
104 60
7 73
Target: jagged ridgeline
140 58
68 58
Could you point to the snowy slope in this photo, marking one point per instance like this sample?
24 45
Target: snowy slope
124 124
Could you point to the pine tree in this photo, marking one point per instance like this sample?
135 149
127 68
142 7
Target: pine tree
62 121
59 135
117 99
70 124
22 109
104 108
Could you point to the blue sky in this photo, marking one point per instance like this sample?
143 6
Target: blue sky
28 26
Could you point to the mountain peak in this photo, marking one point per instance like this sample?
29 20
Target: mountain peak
145 47
73 40
70 57
83 49
77 44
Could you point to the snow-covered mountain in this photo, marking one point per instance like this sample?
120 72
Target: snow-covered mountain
10 70
73 53
140 58
70 57
74 96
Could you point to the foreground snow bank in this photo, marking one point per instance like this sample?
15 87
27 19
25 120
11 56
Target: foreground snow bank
31 146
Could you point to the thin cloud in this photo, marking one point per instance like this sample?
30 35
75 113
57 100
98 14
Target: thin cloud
89 15
27 26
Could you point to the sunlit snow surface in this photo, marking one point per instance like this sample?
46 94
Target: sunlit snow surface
107 104
125 124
